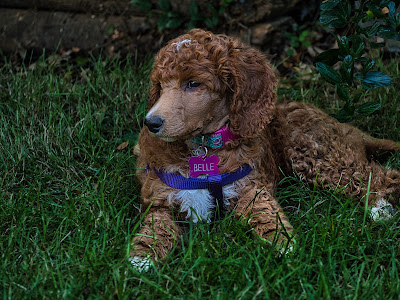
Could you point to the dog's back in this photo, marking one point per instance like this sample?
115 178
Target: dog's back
335 154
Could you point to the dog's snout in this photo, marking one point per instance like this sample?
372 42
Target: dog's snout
153 123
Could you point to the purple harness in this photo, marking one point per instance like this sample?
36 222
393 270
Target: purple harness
213 183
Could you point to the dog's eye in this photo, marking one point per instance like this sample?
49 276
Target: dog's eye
192 84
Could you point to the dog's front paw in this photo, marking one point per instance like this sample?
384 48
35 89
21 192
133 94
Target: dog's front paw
142 264
382 210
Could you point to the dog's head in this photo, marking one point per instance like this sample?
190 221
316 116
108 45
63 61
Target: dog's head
202 81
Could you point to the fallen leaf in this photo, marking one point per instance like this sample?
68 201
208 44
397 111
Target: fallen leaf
123 145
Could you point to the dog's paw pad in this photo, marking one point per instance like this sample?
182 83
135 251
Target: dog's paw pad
142 264
382 210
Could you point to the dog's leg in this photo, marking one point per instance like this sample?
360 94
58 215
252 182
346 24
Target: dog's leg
385 186
379 149
336 155
261 210
155 239
355 179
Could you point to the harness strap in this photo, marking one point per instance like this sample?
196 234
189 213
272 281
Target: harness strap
215 189
213 183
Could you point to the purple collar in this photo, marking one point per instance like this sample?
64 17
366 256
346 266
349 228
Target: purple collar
217 139
213 183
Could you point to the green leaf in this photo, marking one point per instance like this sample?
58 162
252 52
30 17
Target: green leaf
358 47
294 43
371 30
368 108
329 4
376 10
174 14
174 23
328 57
192 24
303 35
194 9
208 23
215 20
211 22
290 52
212 9
344 48
376 45
347 68
328 73
333 19
342 93
110 30
162 22
345 44
392 7
386 32
165 5
362 59
343 116
383 2
349 10
357 97
373 80
355 20
142 4
367 67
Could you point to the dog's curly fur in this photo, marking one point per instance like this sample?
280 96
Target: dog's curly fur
236 88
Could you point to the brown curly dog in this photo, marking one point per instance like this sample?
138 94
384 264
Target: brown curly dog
214 97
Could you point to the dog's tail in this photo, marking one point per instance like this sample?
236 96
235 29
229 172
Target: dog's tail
380 149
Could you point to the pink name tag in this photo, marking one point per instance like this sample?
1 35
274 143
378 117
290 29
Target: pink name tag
203 165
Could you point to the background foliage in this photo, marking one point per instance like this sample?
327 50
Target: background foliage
363 20
167 18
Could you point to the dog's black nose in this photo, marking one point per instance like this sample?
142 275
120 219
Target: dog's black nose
153 123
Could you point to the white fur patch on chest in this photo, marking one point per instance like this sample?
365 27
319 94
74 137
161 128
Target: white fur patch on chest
199 204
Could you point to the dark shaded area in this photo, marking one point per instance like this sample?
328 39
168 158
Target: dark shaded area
84 27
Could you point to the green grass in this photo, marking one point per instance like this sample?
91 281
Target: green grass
69 202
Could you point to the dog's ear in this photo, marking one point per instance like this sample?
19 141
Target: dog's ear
154 94
253 84
155 76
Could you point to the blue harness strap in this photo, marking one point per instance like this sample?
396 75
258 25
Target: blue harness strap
213 183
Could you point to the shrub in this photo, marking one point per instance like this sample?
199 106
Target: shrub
362 21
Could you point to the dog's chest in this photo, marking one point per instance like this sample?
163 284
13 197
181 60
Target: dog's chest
199 204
